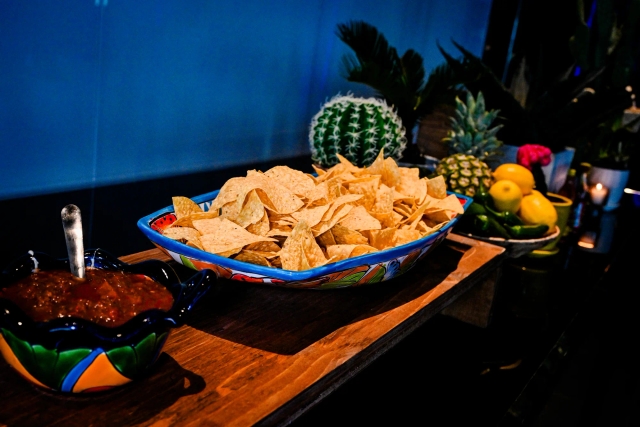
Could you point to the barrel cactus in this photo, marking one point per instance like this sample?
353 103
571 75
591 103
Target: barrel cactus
357 128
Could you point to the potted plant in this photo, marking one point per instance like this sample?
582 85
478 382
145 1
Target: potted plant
560 90
609 151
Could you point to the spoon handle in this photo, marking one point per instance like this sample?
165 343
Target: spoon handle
72 225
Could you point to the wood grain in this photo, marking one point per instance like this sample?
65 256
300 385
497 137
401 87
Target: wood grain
258 355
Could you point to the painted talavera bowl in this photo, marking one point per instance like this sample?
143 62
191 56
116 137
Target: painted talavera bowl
364 269
73 355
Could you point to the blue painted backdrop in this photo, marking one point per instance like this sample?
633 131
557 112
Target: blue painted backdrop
97 92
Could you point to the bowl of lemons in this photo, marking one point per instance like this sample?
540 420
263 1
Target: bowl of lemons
512 213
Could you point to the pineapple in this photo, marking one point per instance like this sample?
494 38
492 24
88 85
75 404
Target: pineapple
464 173
471 140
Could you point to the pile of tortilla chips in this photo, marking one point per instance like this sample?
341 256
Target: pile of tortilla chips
292 220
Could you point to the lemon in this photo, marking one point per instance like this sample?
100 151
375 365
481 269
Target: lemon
516 173
506 195
537 209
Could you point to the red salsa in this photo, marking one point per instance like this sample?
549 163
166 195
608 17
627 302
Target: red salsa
108 298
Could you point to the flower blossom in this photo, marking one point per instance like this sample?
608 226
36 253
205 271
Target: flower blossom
532 154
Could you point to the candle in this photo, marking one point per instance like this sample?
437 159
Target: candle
598 194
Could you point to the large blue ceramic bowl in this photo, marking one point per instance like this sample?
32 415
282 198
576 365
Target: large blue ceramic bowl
73 355
370 268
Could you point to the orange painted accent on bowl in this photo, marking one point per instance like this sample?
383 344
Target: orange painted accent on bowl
13 361
375 268
334 277
221 272
100 373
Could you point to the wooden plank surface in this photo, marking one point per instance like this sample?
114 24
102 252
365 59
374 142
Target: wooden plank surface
257 355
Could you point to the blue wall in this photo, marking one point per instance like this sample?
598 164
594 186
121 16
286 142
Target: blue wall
95 92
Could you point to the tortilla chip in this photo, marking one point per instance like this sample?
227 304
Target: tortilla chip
312 215
382 239
383 205
252 211
252 257
338 215
406 236
230 211
391 175
195 244
368 187
450 202
301 251
181 233
326 239
392 221
409 178
416 216
262 227
338 203
263 247
298 182
273 195
318 195
220 235
377 166
437 187
340 252
359 219
344 235
184 206
228 193
229 253
187 221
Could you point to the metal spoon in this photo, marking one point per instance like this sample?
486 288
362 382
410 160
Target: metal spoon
72 225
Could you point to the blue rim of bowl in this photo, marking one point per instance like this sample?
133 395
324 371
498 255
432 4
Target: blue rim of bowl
185 293
205 200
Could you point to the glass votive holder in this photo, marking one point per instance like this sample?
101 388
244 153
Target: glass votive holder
598 194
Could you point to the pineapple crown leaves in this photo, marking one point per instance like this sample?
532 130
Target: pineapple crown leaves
471 131
358 128
398 79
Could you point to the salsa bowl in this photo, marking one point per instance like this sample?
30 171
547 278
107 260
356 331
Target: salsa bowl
75 355
372 267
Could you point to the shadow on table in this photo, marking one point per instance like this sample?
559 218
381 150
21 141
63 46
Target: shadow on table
285 321
25 405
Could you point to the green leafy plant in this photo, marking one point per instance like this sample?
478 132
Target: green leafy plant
612 144
559 117
563 85
401 80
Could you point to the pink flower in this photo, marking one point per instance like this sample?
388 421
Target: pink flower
532 154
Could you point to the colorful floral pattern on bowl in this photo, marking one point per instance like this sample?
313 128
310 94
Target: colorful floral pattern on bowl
73 355
370 268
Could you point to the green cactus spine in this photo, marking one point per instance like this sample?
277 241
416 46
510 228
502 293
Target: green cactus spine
357 128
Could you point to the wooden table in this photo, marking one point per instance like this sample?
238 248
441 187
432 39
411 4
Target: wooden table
256 355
